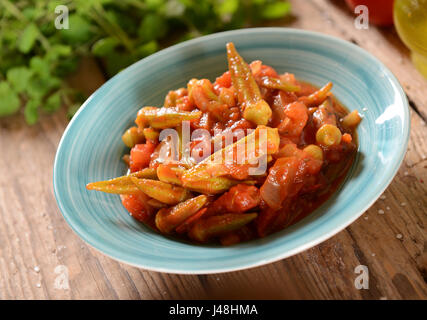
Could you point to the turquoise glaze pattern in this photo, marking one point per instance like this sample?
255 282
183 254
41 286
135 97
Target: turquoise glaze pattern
91 147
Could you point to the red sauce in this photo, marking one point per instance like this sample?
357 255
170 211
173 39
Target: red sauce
309 151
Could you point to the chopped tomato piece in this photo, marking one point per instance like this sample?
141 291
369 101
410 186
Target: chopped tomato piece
238 199
260 70
346 138
223 81
267 71
295 121
288 175
137 206
140 156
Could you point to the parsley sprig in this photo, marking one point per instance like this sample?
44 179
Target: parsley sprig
35 57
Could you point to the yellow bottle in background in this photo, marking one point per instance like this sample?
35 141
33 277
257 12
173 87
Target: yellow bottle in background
410 19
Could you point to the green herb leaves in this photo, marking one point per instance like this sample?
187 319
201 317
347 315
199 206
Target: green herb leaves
28 38
36 57
18 78
9 100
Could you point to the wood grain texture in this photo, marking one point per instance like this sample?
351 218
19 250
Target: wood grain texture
37 247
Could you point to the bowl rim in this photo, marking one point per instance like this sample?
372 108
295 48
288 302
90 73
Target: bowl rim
97 245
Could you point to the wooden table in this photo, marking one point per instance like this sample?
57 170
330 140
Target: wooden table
41 258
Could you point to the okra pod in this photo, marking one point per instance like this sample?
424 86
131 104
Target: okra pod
328 135
167 219
280 84
205 229
351 120
203 96
162 191
124 184
209 185
317 97
242 154
190 221
156 204
151 134
324 114
162 118
173 96
133 136
315 151
170 173
255 109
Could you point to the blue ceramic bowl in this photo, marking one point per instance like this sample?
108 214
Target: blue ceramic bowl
91 147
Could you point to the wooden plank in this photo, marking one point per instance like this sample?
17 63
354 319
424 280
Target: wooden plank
33 233
381 42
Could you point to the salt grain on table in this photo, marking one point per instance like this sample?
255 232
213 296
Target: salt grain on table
399 236
381 211
383 197
37 269
403 204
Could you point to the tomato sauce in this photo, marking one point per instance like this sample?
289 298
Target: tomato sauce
299 136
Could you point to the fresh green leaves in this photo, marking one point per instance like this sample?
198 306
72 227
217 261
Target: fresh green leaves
53 102
9 100
228 7
40 66
79 30
31 111
276 10
152 27
36 57
18 78
28 38
104 46
147 48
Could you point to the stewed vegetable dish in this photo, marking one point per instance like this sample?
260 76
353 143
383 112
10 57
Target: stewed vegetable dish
237 159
